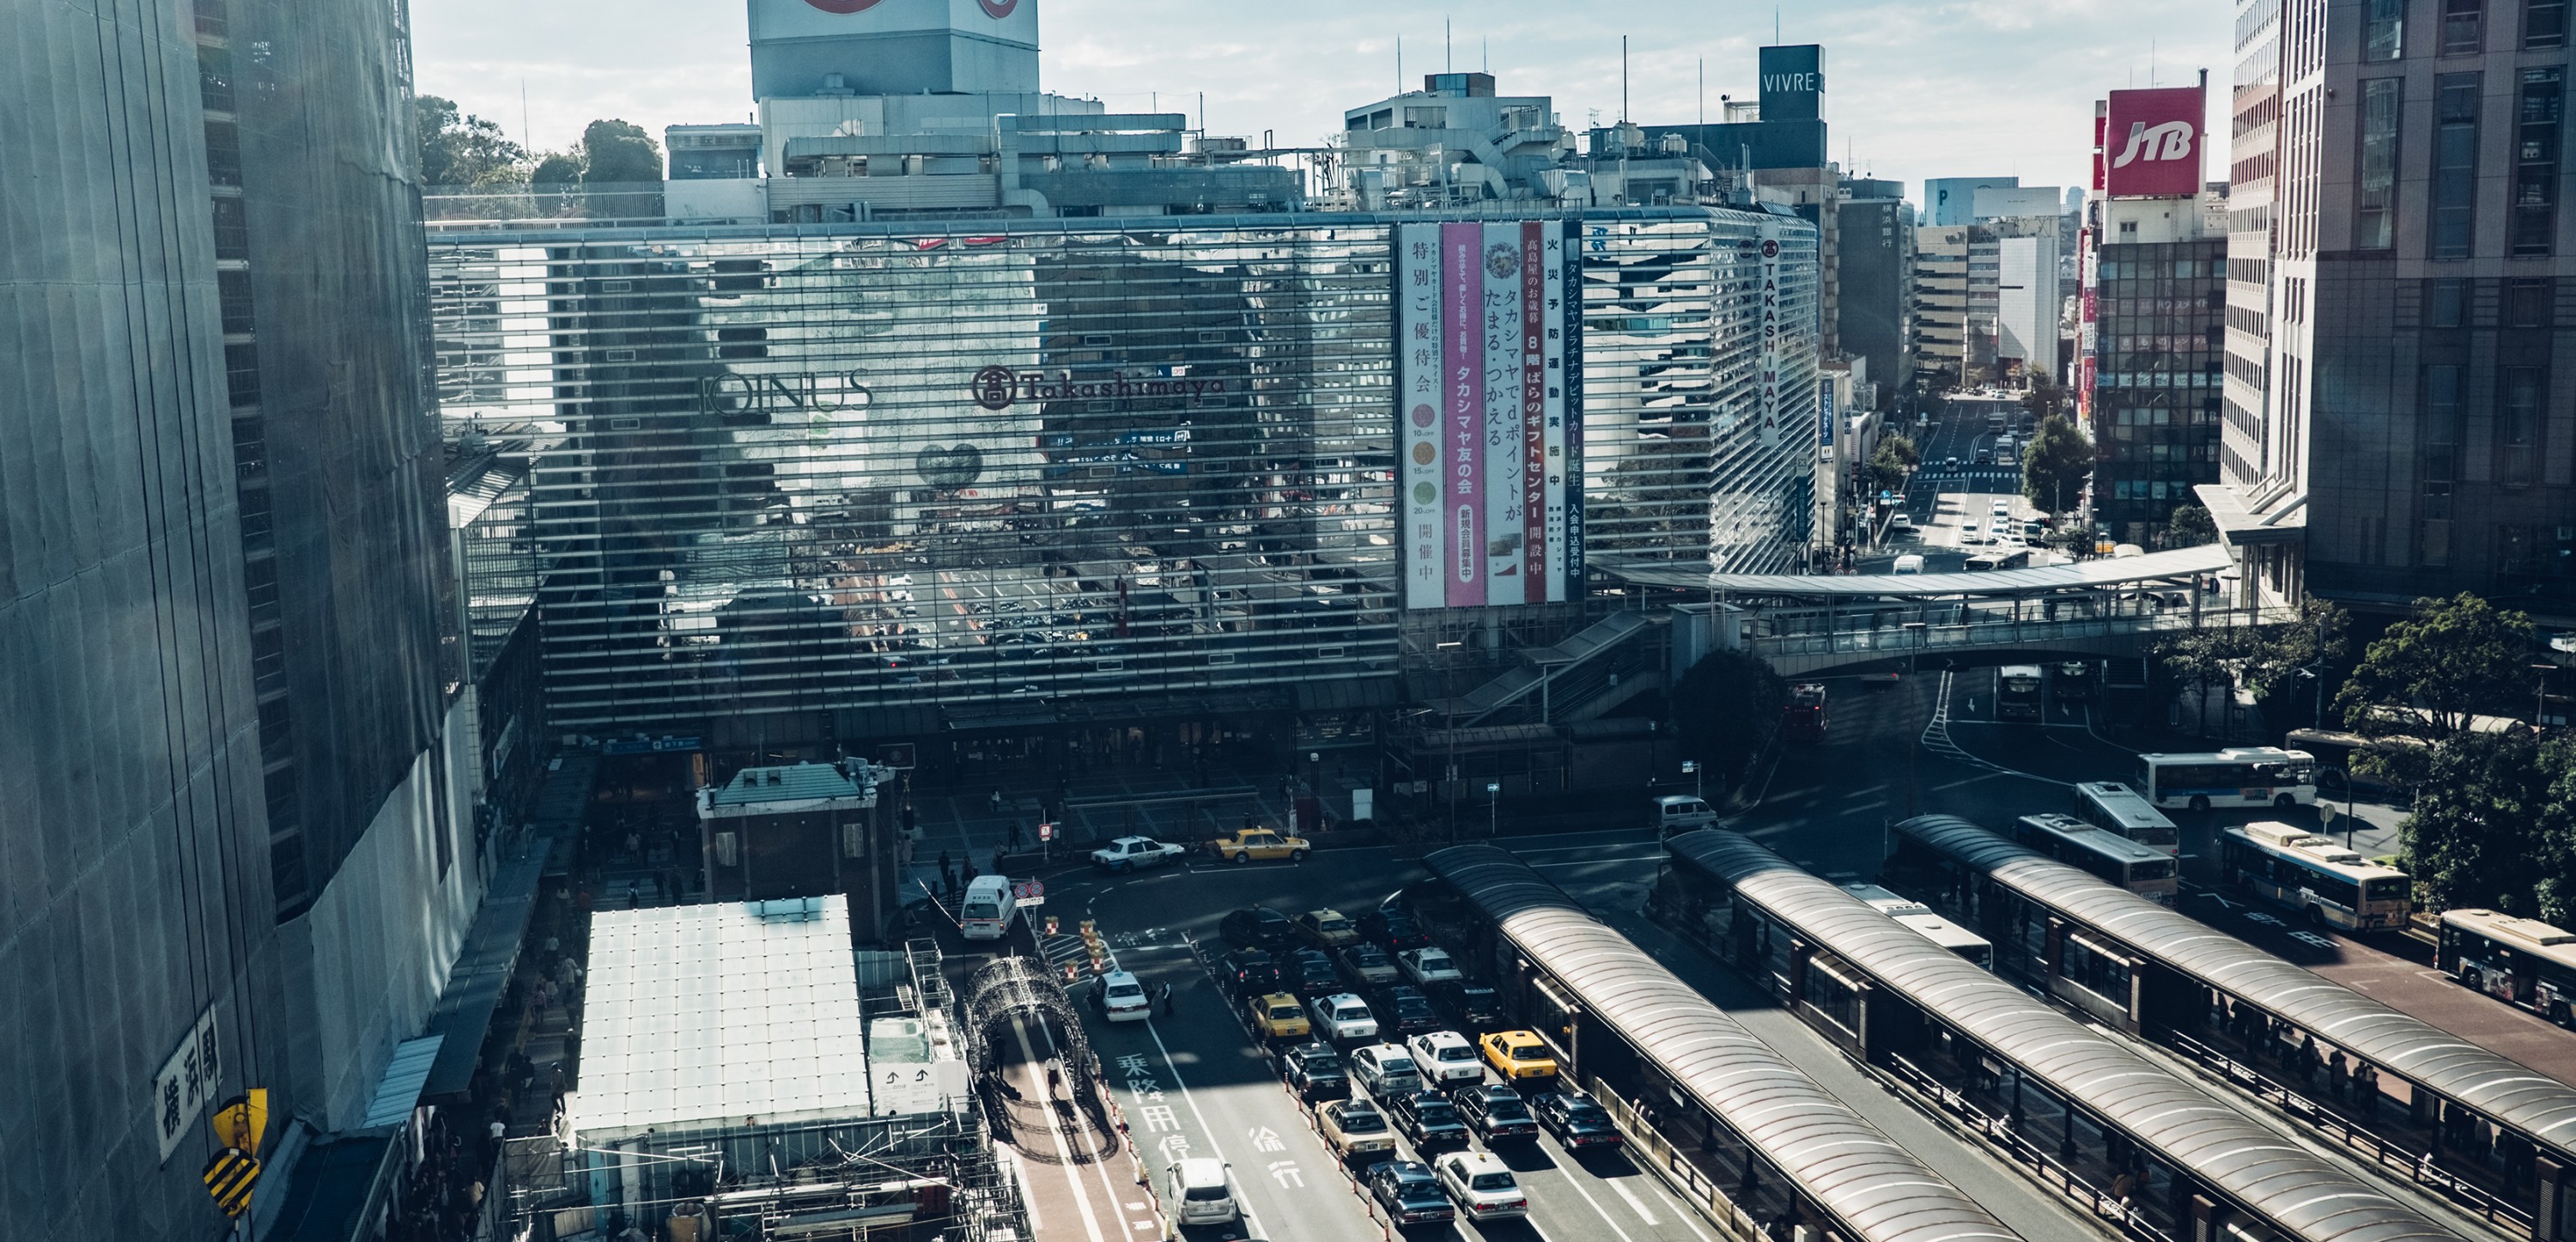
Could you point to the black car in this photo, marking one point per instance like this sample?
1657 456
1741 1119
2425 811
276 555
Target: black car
1315 1071
1407 1012
1395 932
1258 927
1575 1120
1408 1192
1495 1112
1427 1118
1310 973
1249 972
1480 1008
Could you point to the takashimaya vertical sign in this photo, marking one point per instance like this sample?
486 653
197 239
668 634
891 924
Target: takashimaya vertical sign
1492 472
1766 362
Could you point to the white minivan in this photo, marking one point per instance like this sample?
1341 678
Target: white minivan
988 908
1674 814
1908 564
1201 1193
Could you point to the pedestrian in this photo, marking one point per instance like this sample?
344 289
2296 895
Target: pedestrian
1167 1000
1012 831
2337 1072
997 802
1247 821
1055 1081
968 879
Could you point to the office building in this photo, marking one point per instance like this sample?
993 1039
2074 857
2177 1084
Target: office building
1992 202
1985 299
1952 201
1940 282
1455 142
238 712
2159 364
2396 257
1875 274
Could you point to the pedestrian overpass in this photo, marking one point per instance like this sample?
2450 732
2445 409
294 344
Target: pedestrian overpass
1810 625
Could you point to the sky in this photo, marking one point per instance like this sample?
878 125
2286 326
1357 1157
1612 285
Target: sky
1913 88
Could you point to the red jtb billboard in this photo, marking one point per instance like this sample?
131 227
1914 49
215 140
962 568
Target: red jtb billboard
2151 144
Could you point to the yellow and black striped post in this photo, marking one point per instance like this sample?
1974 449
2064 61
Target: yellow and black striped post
229 1178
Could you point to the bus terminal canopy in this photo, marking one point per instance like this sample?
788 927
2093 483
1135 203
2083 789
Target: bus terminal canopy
2178 564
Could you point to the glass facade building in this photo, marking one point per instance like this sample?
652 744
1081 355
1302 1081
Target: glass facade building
2161 333
882 478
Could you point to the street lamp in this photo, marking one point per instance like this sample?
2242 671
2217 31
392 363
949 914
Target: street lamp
1493 808
1690 768
2540 696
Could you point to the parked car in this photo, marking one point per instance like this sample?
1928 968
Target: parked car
1519 1055
1575 1120
1246 844
1345 1018
1314 1071
1479 1007
1495 1113
1428 1119
1409 1194
1384 1069
1249 972
1202 1193
1327 929
1429 967
1408 1012
1395 931
1355 1129
1901 524
1258 927
1369 965
1312 974
1134 853
1122 998
1445 1057
1481 1185
1279 1016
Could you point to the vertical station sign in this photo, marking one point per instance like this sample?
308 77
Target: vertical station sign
1491 456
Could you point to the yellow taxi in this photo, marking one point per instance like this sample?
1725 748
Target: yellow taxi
1518 1055
1245 844
1279 1016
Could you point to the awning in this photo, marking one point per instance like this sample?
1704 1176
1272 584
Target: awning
483 966
2114 571
2286 521
398 1092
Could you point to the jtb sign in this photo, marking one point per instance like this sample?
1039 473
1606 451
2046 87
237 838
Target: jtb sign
2151 143
1793 82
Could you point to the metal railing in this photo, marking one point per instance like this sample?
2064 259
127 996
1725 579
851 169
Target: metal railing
2042 1168
1953 624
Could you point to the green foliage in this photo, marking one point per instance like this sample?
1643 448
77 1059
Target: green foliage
1901 447
2491 826
2431 674
2190 527
2044 400
2275 662
462 150
2055 464
618 152
1727 708
1889 462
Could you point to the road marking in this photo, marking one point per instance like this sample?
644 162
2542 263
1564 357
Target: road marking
1081 1196
1571 1180
1021 1171
1250 1217
1679 1212
1620 1184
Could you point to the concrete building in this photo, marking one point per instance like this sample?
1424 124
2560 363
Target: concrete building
1874 275
1952 201
1994 202
2395 424
804 830
1940 282
2159 335
1456 142
239 710
1986 295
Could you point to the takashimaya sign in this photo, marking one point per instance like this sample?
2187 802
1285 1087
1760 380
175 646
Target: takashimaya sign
998 388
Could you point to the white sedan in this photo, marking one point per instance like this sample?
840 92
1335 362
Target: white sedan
1481 1185
1130 853
1122 998
1345 1017
1430 967
1445 1057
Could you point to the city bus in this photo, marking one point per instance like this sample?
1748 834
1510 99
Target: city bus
2238 776
1998 558
2114 807
2150 873
2017 692
2335 751
1804 718
2522 962
1931 926
2331 885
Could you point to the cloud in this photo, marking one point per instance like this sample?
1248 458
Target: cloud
1913 90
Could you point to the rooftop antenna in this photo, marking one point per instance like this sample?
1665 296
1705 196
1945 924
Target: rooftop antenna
1399 64
2151 63
1485 54
1775 24
1703 94
1623 79
527 137
1446 65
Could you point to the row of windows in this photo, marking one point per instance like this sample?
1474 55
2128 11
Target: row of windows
2463 27
2531 225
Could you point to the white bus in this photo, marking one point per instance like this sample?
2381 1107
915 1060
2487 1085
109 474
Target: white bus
2333 886
2239 776
2521 962
2114 807
2148 872
1923 919
2017 692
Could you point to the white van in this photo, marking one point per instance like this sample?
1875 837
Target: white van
1908 564
988 909
1200 1192
1680 813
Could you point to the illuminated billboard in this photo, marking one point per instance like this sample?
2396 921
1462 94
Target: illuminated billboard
2151 143
1492 463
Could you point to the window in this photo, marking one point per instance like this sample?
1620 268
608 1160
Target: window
2535 167
2463 26
2455 164
2383 33
2527 302
2517 424
2446 303
2375 206
2438 463
2544 23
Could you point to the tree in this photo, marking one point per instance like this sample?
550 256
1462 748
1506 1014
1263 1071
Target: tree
2275 662
1889 462
2190 527
455 149
617 152
558 170
2055 464
1900 447
1727 708
2044 400
2431 674
2478 836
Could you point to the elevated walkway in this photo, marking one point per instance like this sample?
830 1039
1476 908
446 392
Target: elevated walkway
1599 667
